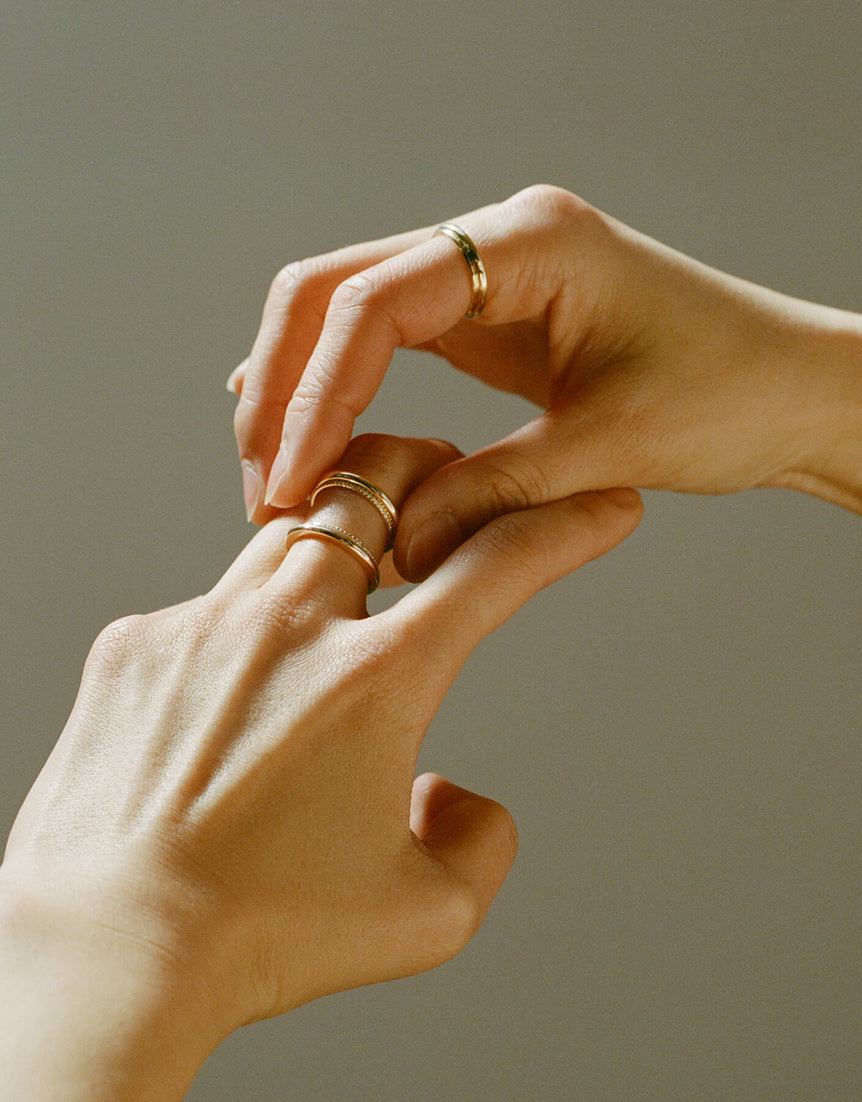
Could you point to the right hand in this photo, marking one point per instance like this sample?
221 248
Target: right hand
655 370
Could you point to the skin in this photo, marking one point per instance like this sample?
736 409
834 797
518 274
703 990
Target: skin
229 825
653 370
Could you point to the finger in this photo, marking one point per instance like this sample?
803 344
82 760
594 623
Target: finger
473 838
291 324
406 300
325 573
540 462
498 569
260 557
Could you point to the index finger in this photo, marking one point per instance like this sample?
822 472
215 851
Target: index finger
405 300
292 320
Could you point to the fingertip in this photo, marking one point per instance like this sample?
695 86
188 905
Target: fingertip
619 509
290 478
420 553
624 498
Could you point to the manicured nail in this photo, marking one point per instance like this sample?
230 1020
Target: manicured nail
233 379
252 488
278 473
434 539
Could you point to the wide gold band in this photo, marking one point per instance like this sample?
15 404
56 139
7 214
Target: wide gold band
347 480
478 276
343 539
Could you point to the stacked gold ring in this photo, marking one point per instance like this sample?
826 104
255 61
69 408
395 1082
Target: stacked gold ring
343 539
478 275
347 480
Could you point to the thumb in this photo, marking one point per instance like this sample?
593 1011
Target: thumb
475 841
542 461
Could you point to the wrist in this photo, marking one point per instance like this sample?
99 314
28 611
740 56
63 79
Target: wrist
827 451
91 1014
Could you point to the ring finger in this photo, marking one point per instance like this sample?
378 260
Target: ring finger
326 563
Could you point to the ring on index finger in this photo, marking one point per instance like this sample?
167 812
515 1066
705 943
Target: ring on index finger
478 275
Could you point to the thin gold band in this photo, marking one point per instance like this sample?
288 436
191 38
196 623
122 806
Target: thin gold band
478 275
343 539
347 480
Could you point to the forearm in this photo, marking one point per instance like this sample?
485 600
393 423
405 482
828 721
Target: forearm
88 1015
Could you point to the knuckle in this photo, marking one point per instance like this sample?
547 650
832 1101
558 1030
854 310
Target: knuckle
517 487
370 448
555 205
358 293
118 643
295 278
364 299
315 388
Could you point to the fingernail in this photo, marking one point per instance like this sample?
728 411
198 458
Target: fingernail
252 488
280 468
434 539
232 383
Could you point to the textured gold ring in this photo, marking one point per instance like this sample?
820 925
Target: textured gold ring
478 276
347 480
343 539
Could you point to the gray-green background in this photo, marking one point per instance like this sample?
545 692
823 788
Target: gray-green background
677 728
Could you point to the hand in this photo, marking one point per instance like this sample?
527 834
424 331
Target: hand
655 370
229 824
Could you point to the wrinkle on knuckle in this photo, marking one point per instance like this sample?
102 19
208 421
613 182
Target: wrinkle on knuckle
518 487
321 388
362 300
293 279
357 291
119 641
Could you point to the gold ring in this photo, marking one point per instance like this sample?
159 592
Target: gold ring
343 539
478 276
347 480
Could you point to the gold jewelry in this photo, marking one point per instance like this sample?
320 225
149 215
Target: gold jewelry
478 276
347 480
343 539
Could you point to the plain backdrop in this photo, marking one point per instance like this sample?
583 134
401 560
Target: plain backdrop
676 728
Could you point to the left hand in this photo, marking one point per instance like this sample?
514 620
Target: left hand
229 824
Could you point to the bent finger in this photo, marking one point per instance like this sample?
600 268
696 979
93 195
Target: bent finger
488 578
542 461
292 320
323 571
473 838
407 300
